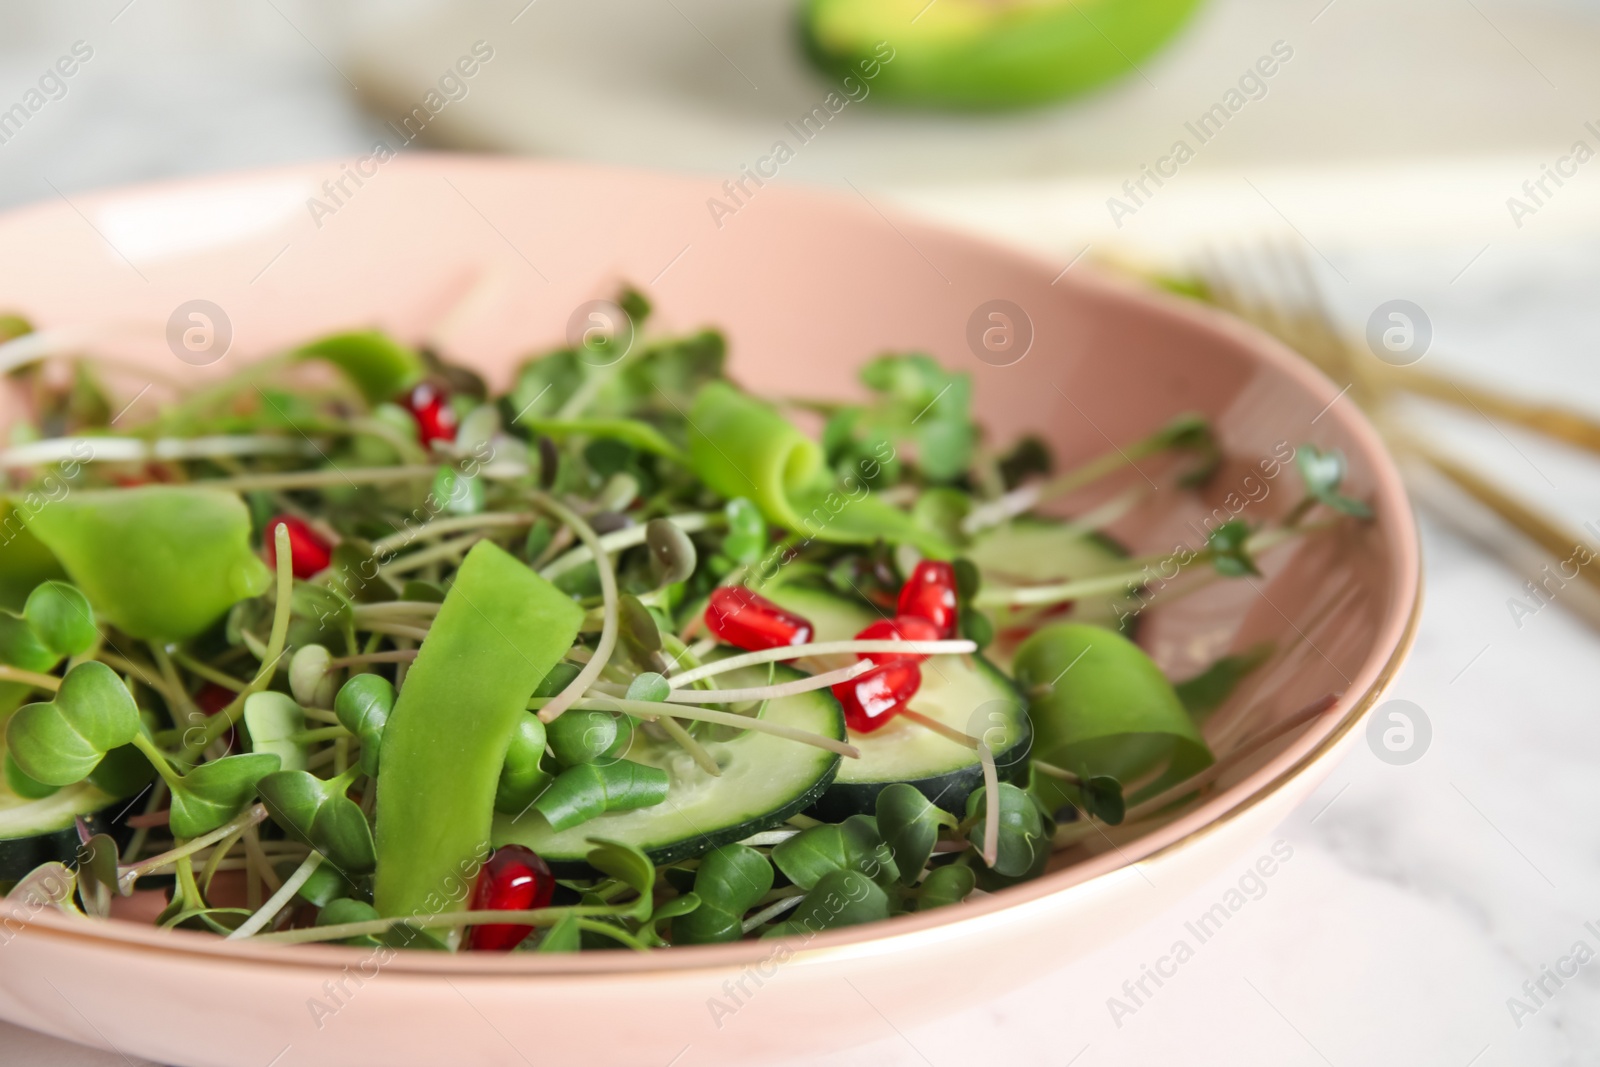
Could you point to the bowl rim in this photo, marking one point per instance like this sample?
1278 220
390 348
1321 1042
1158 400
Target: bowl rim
1317 741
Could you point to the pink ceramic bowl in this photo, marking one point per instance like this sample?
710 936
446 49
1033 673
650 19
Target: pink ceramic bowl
488 259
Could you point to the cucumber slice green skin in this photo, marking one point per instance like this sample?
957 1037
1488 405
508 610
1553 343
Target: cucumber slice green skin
971 687
676 829
54 837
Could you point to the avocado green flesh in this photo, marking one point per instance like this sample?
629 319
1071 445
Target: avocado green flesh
983 53
967 694
765 779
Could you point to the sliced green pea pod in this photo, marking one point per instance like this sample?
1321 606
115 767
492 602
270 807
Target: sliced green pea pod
60 615
581 793
58 742
161 562
498 633
521 778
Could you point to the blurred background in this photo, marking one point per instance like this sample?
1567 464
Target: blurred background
1433 151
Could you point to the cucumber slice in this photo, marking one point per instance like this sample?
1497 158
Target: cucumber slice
968 694
765 780
38 831
1036 551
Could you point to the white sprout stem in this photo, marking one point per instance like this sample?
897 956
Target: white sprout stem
1056 592
134 450
433 553
278 900
394 629
991 805
392 609
608 595
319 479
772 911
770 692
617 540
819 648
439 527
650 711
126 877
769 837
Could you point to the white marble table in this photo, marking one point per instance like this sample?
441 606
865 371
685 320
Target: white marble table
1418 899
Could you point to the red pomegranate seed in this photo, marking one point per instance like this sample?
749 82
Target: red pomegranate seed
514 879
436 419
874 698
308 552
212 698
930 592
750 621
900 628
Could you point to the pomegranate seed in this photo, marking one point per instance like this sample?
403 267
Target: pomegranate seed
900 628
436 419
212 698
874 698
750 621
308 552
930 592
514 879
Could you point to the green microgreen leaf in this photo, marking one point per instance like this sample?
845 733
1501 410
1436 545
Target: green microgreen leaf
1323 473
747 531
58 742
840 898
565 936
215 792
854 845
1102 798
60 615
1229 548
672 554
581 736
18 781
21 646
1022 839
628 865
362 707
947 885
316 812
588 790
909 823
522 779
1206 691
273 719
729 882
342 910
649 686
380 366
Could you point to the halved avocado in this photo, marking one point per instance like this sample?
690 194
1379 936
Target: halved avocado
986 53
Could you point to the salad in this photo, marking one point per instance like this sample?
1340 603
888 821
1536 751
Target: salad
349 647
